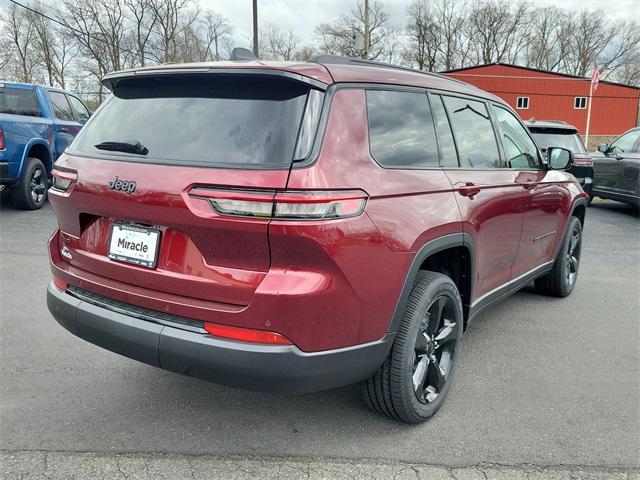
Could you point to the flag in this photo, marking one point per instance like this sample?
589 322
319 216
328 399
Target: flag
595 78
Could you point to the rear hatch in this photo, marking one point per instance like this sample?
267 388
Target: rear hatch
132 192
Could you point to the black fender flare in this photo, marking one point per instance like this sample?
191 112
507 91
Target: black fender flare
436 245
577 203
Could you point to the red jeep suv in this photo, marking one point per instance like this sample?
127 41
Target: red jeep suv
294 227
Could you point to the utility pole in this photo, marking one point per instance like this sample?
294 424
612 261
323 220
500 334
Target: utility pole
255 28
365 51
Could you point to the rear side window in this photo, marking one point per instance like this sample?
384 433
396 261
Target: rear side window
18 101
475 138
61 107
212 120
401 131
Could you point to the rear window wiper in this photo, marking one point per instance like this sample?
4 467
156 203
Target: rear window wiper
126 147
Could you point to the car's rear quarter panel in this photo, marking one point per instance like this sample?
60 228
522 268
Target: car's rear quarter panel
406 208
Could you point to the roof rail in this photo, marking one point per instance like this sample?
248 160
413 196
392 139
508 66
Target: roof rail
340 60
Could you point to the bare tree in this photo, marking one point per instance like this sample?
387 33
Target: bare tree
623 51
172 19
143 24
53 49
216 28
450 16
496 29
304 53
340 37
589 38
278 43
21 33
98 26
424 36
547 41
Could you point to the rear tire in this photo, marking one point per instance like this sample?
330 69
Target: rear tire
30 192
413 382
559 282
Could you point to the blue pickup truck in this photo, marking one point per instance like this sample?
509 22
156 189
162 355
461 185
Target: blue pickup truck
36 124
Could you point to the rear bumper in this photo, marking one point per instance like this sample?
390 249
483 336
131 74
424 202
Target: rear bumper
4 173
253 366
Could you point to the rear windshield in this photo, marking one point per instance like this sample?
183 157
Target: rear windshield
19 101
213 120
568 139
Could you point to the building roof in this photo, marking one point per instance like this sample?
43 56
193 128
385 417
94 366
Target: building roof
531 69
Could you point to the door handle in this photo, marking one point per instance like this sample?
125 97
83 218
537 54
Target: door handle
469 189
528 185
64 129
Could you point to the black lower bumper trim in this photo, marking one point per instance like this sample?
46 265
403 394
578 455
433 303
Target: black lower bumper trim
238 364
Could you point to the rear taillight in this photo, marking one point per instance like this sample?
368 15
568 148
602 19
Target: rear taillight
1 139
245 334
62 180
583 162
287 205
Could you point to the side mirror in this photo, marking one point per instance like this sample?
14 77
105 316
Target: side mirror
559 158
603 147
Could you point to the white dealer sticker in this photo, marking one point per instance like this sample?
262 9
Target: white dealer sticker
132 244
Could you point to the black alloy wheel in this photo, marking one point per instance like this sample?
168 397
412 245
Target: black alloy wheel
561 279
413 382
434 350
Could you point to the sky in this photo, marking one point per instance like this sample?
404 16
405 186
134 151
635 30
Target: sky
304 15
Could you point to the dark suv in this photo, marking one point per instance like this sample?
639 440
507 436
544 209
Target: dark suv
560 134
294 227
617 169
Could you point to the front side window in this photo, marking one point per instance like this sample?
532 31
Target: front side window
473 131
580 103
211 120
19 101
625 143
82 114
522 153
401 132
61 107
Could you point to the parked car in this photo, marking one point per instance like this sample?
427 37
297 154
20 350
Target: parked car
561 134
617 169
294 227
36 125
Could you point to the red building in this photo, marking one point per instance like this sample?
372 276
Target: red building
555 96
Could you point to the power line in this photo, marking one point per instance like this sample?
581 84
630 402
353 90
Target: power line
69 27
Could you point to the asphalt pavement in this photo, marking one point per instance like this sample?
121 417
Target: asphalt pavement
543 383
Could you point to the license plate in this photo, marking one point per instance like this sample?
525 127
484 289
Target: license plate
133 244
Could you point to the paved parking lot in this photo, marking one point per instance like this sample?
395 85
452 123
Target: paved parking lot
544 383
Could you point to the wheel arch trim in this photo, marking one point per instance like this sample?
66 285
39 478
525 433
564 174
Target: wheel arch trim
48 164
436 245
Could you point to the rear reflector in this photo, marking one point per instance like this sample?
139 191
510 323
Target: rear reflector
287 205
63 180
245 334
60 284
